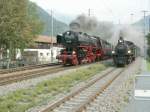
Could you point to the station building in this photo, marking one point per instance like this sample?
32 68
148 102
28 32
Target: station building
44 50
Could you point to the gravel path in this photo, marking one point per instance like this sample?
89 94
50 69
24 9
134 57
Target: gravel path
32 82
116 97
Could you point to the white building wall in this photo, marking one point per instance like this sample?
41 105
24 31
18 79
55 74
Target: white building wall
39 56
45 55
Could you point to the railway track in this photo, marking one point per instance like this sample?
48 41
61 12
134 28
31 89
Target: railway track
4 71
9 78
80 98
23 75
30 67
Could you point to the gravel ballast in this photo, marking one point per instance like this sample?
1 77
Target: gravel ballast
34 81
117 95
114 98
74 88
23 99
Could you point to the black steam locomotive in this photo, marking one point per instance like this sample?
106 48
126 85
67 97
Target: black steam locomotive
81 48
125 52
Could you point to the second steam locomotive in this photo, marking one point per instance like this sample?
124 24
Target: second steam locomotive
82 48
125 52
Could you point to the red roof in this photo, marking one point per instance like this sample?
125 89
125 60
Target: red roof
45 39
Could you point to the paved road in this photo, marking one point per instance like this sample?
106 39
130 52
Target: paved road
140 99
140 104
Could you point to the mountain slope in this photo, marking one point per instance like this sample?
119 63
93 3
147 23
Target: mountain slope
64 17
58 26
140 23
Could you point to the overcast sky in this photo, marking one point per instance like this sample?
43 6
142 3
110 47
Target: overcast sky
105 10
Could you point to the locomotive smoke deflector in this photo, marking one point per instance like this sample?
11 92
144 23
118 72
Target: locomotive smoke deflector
59 38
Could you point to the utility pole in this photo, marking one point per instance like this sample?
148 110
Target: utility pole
149 25
132 17
144 15
52 35
89 12
144 31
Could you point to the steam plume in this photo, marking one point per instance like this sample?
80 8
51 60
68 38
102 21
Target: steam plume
92 26
107 30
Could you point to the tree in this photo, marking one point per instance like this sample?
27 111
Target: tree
19 25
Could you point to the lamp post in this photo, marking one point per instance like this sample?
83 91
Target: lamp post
52 35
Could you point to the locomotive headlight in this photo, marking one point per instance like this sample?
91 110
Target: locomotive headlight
129 51
68 33
120 41
113 52
73 52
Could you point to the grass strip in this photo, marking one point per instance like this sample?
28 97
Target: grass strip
23 99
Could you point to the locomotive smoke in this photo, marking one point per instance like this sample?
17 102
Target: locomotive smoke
107 30
129 33
92 26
